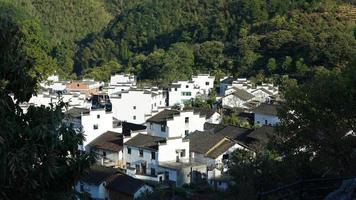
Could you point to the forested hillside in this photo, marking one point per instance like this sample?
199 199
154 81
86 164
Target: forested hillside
168 40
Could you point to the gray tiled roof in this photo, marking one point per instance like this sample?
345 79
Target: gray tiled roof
97 174
145 141
77 112
221 148
163 116
262 134
242 94
267 109
203 141
123 183
109 140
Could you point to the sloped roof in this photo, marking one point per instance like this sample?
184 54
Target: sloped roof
203 141
145 141
221 148
127 127
97 174
109 140
267 109
262 134
228 80
77 112
124 184
163 116
242 94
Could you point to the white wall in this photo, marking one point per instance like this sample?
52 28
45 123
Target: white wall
261 119
176 94
96 192
215 118
119 79
168 152
137 104
134 157
205 82
104 123
176 127
232 101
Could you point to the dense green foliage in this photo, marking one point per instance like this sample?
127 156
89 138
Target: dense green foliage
39 156
169 40
241 37
316 136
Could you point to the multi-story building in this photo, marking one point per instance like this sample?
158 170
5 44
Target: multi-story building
92 123
136 105
121 82
182 91
161 159
175 123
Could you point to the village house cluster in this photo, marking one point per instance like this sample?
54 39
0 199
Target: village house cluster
147 135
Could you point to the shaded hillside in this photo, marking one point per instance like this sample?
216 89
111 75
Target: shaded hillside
159 39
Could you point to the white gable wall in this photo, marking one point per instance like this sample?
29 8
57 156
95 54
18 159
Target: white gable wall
102 121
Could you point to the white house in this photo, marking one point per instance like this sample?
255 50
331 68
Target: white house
93 183
121 82
266 114
92 123
260 93
159 159
135 105
236 98
182 91
174 123
214 148
205 82
123 79
104 183
108 149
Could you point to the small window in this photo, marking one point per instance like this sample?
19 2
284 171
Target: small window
186 132
187 86
81 187
207 83
134 117
128 150
141 153
182 153
95 126
266 122
98 116
78 85
104 154
153 171
134 107
163 128
186 120
175 89
153 155
128 165
219 183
